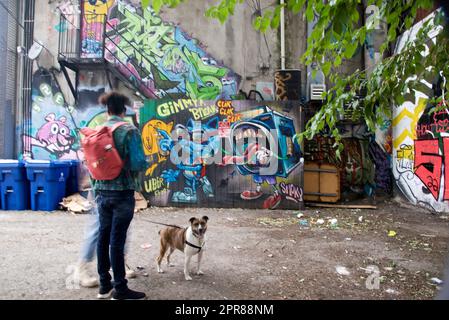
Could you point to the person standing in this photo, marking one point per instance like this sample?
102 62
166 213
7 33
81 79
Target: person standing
89 246
115 202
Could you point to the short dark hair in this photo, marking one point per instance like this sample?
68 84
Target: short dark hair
115 102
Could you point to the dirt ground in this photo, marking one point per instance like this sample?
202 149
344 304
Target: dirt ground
251 254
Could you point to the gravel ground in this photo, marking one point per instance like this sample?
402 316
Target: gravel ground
393 252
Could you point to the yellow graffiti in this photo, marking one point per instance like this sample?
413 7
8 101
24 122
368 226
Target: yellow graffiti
414 116
97 11
150 140
203 113
406 153
154 184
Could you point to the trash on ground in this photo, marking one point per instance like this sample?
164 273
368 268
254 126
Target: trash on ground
277 222
146 246
141 202
361 219
300 215
320 221
392 291
342 271
76 203
436 281
303 223
333 222
392 233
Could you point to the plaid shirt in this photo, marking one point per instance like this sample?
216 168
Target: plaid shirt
128 142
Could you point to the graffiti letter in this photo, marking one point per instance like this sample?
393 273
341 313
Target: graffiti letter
446 168
428 164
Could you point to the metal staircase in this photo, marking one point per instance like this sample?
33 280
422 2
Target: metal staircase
100 51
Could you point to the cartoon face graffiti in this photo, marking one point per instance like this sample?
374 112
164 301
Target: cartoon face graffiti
98 7
55 137
155 134
55 134
264 147
195 144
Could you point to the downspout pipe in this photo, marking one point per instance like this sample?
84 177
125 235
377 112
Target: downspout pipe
282 25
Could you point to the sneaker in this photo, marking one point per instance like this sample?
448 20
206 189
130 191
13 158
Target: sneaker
105 292
251 195
272 202
128 295
85 279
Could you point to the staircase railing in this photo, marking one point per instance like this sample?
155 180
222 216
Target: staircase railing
112 36
69 37
95 40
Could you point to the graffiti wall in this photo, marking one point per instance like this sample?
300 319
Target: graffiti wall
159 57
54 125
223 153
287 85
420 144
53 128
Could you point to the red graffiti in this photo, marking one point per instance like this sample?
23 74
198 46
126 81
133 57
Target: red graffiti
429 165
440 124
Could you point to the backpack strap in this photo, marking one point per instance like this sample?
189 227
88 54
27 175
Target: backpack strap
118 124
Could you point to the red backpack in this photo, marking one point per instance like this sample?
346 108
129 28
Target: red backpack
102 158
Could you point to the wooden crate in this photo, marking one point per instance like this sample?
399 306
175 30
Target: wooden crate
321 182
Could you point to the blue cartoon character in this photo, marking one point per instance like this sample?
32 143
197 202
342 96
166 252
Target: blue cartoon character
195 144
265 147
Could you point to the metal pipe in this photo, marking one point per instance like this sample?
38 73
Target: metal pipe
282 25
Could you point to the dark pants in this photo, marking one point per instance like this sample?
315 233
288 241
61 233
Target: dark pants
116 210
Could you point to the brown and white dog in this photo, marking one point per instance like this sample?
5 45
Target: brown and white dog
190 240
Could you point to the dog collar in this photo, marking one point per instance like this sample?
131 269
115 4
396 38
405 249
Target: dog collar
194 246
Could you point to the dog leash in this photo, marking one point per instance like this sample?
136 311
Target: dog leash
162 224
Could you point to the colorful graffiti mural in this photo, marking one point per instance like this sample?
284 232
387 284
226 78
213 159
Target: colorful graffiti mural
159 57
223 153
54 132
420 145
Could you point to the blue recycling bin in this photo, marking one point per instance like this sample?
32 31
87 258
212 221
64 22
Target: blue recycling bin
72 179
15 188
47 183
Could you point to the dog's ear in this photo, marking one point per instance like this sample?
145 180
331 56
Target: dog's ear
191 220
205 218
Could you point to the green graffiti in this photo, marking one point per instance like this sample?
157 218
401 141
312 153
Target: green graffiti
151 46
